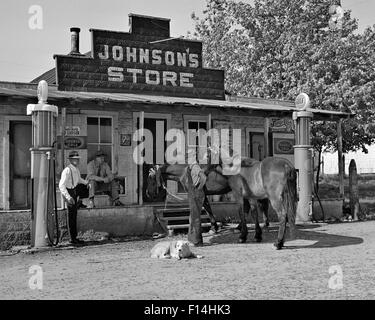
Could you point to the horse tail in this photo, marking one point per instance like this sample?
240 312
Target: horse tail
290 196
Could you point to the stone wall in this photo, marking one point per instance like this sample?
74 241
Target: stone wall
15 226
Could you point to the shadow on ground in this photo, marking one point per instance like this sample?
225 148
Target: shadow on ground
305 238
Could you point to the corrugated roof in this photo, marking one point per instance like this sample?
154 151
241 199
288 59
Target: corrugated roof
29 90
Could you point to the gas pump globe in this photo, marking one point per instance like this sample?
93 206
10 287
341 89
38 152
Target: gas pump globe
303 157
42 151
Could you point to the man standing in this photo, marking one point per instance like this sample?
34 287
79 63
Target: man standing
73 188
101 179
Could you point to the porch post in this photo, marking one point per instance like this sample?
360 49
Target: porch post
140 167
266 137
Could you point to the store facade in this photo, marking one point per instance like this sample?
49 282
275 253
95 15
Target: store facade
131 80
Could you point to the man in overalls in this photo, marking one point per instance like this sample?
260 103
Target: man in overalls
73 188
101 179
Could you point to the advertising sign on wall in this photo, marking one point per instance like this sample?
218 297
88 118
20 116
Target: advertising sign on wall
283 146
73 142
282 125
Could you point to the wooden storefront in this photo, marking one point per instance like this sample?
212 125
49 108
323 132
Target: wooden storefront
142 77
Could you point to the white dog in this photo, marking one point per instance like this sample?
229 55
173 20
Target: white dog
173 249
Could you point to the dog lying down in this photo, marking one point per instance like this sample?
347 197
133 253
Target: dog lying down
173 249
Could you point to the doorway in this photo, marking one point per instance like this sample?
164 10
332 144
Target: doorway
158 129
20 142
256 145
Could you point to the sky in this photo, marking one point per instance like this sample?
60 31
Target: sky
26 53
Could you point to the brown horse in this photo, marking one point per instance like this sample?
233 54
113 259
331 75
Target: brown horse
272 178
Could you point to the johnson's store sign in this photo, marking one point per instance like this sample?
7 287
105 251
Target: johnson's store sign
137 62
147 58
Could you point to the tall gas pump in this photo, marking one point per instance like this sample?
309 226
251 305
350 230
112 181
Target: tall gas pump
303 157
42 173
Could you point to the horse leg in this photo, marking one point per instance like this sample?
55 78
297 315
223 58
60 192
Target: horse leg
258 229
281 213
236 184
264 205
244 231
207 207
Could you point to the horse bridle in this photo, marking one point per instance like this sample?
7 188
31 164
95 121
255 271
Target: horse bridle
163 185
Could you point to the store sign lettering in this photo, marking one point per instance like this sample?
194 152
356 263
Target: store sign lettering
127 63
150 57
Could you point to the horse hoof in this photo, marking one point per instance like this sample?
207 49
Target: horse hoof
241 240
278 245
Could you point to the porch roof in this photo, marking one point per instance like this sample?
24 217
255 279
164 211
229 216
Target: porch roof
29 90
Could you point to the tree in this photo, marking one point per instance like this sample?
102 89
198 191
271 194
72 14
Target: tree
278 48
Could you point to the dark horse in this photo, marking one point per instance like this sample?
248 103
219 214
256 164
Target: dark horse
272 178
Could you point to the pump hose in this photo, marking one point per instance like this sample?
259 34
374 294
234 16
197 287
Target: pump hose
320 203
50 237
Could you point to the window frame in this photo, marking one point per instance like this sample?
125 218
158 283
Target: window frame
111 144
114 144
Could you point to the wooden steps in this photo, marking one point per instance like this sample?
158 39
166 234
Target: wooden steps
177 218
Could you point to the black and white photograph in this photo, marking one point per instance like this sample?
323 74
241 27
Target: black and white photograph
187 155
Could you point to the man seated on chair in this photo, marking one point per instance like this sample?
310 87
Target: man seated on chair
101 179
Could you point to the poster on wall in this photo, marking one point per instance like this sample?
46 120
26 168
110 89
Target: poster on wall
122 185
282 125
125 140
72 131
283 146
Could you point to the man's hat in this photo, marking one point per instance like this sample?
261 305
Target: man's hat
74 155
100 154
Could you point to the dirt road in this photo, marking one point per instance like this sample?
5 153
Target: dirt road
228 270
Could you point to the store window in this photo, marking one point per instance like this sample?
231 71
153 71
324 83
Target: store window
99 137
195 139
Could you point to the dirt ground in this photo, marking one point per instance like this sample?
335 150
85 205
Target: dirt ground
228 270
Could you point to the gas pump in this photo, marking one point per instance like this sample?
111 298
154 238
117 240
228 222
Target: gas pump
303 157
42 172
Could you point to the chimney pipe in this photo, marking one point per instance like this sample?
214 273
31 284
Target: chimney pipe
75 40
